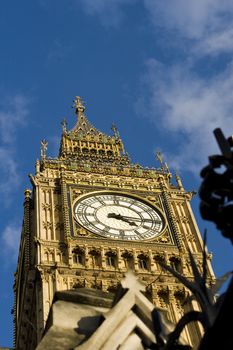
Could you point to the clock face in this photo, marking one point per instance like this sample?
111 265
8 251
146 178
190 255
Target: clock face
118 216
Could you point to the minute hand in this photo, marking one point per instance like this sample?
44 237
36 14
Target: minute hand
139 219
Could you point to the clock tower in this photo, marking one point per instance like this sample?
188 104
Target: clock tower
92 215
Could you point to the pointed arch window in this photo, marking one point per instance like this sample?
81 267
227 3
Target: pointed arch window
128 260
78 256
95 259
110 260
143 262
176 264
157 260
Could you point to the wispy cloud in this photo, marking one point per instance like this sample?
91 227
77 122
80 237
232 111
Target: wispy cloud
216 43
204 22
10 237
110 12
190 104
186 104
13 115
189 107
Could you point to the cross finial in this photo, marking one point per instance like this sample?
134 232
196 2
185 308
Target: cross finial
178 180
115 130
43 149
159 157
64 125
78 105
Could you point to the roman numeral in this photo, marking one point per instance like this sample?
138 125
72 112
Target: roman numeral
115 201
138 233
94 222
146 227
100 200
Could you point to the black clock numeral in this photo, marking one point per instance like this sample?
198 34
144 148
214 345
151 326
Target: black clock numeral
138 233
89 201
115 201
122 233
101 201
78 211
145 227
80 207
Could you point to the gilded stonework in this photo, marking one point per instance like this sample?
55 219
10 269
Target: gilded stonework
58 253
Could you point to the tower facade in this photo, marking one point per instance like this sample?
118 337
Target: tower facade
92 215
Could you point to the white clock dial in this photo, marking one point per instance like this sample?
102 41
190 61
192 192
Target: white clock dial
118 216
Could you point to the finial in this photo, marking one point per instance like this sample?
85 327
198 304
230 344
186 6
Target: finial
115 130
79 107
159 157
178 181
43 149
163 164
64 125
27 193
167 168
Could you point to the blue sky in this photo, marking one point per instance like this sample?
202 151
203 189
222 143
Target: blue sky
161 70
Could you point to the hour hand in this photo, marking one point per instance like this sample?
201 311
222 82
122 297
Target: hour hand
114 216
122 218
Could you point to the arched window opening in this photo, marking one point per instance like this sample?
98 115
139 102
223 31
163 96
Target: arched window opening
176 264
128 261
95 259
159 259
51 257
143 263
78 256
110 260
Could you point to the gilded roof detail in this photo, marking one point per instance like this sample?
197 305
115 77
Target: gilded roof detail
85 141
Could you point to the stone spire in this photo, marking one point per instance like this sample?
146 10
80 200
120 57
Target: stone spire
85 142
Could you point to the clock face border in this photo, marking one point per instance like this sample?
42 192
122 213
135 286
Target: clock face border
122 227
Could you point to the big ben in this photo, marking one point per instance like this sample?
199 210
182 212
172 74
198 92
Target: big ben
90 216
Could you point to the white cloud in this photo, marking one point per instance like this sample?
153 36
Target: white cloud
110 12
9 175
213 44
206 23
13 115
10 237
189 108
192 19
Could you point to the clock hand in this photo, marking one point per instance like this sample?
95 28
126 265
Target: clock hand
122 218
114 216
135 219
